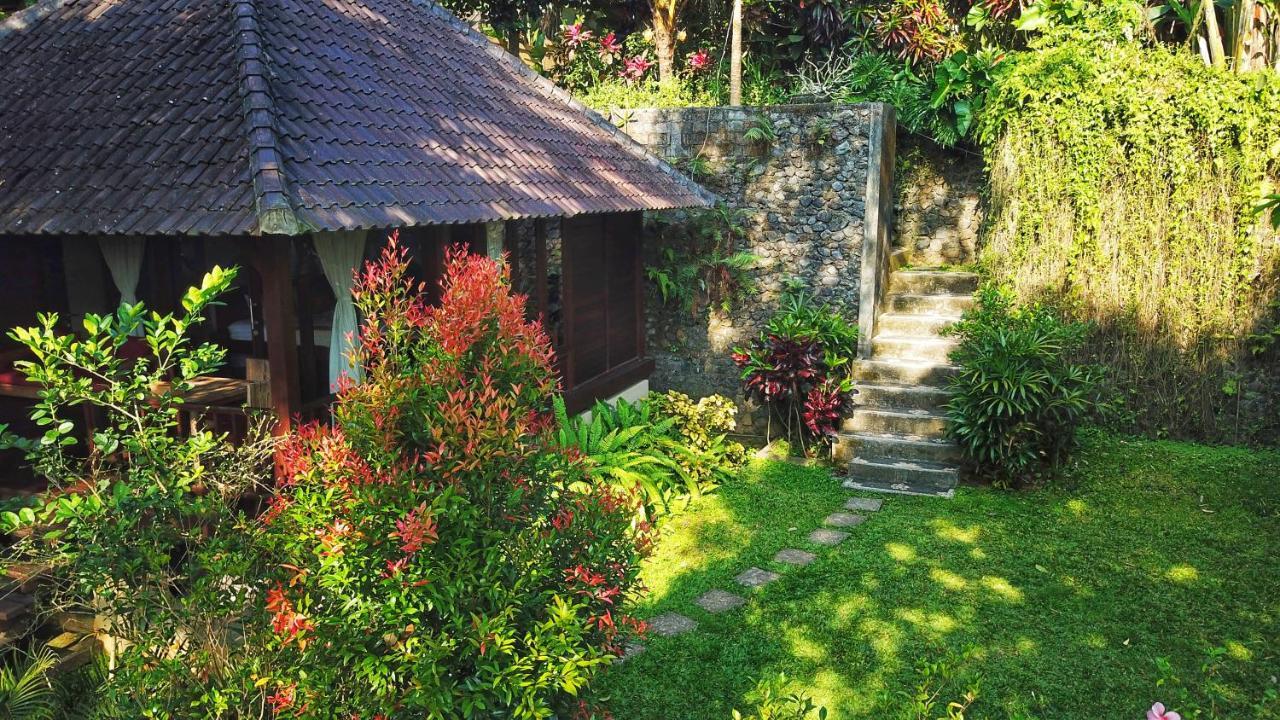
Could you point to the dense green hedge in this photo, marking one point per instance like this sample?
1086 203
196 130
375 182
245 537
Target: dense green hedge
1123 182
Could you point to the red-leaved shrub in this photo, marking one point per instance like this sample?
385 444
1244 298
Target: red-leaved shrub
437 555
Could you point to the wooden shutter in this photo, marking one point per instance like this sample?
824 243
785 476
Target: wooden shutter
603 304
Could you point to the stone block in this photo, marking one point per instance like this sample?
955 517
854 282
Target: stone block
755 577
718 601
791 556
826 537
671 624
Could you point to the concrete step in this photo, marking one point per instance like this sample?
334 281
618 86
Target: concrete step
893 472
914 304
897 372
15 605
933 282
913 325
904 447
912 349
906 397
916 423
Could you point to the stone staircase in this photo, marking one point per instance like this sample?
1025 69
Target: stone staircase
895 440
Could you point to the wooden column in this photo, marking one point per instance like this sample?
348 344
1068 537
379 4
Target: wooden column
540 269
271 258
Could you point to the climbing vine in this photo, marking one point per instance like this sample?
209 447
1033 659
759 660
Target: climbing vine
1133 205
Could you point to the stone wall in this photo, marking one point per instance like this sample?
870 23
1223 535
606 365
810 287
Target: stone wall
799 183
938 202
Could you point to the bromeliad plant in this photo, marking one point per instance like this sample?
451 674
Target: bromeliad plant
437 553
799 367
144 526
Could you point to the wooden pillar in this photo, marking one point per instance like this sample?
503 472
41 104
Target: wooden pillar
540 269
272 260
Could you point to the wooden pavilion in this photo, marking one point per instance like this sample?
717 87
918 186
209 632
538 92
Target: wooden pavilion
142 141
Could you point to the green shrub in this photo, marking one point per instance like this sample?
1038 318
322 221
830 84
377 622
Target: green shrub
702 428
1124 185
436 553
146 526
1017 399
772 704
666 445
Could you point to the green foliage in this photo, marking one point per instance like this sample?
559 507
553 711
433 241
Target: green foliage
709 458
938 679
614 94
145 525
761 131
771 704
1017 399
25 690
1124 182
1203 696
665 445
700 263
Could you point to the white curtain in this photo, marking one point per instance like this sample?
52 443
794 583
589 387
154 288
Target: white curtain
340 254
124 260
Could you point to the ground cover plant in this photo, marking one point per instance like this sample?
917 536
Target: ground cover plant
1146 575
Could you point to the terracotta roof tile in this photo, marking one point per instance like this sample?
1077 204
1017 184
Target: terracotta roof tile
217 116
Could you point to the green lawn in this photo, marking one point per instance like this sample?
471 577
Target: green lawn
1057 601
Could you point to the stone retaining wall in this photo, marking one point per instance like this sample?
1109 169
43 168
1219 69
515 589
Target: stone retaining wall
800 184
938 202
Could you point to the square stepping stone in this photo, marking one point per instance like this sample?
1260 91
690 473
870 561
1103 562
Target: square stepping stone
631 649
826 537
718 601
866 504
843 520
791 556
669 624
755 577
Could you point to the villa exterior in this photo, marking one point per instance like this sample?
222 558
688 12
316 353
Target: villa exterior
143 141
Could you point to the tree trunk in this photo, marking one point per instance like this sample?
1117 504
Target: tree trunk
664 40
735 57
1216 51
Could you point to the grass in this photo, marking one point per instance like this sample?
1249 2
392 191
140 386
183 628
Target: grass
1054 603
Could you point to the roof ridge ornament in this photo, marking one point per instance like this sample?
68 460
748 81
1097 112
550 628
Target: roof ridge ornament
271 193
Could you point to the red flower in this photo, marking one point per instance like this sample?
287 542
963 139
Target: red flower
699 60
610 47
283 698
575 35
635 69
287 622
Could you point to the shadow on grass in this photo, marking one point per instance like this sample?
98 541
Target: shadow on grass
1058 600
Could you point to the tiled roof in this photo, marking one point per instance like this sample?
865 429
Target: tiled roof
250 116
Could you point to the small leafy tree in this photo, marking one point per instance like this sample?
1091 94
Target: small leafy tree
143 526
437 554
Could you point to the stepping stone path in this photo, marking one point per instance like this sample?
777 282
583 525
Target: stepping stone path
791 556
718 601
843 520
867 504
669 624
755 577
829 538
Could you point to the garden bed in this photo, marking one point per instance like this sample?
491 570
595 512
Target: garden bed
1056 603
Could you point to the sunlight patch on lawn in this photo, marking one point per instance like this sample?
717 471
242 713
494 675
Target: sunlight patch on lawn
1239 652
851 607
1002 587
939 623
804 647
1078 507
883 637
949 531
901 553
948 579
1183 574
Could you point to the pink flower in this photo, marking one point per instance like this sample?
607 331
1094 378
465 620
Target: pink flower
699 61
636 68
609 46
1157 712
575 35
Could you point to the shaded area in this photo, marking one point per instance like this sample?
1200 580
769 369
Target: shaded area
1062 598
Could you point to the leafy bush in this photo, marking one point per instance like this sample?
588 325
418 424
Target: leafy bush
709 269
1017 399
799 366
771 704
25 690
702 429
666 445
144 526
436 552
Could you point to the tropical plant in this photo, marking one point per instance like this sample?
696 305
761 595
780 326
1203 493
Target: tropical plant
799 367
146 525
436 552
708 457
700 262
25 690
626 445
772 704
1018 398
